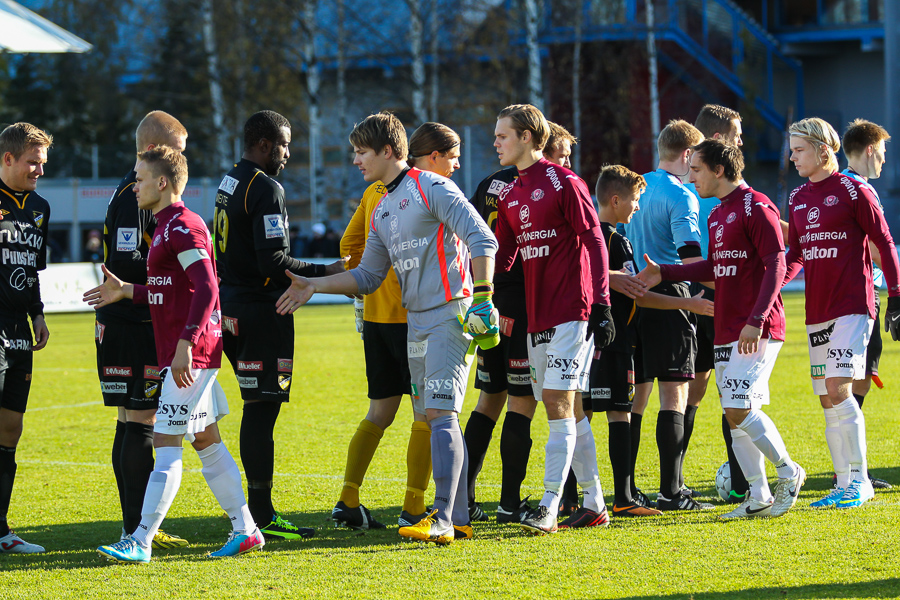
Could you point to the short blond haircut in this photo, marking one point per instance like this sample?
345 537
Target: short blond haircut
159 129
558 136
525 117
168 162
18 138
823 138
616 180
675 138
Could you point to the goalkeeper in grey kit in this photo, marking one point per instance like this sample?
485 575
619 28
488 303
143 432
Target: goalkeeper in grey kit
426 229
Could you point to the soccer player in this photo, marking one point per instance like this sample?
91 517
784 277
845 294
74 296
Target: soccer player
503 378
746 261
123 335
432 147
717 123
612 369
666 229
426 229
547 218
184 305
252 245
864 147
559 145
23 238
832 219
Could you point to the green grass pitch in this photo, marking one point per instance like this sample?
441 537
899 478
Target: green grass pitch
65 499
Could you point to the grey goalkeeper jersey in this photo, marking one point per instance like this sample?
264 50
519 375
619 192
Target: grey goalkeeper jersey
425 228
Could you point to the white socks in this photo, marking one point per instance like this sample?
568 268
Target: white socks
559 449
765 436
161 489
224 480
752 463
853 435
584 463
836 447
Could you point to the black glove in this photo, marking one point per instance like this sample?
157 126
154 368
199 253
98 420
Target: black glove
600 323
892 318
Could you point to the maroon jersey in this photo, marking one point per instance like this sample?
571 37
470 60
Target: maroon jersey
831 222
181 288
548 217
746 259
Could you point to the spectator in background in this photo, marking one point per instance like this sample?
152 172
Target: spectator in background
93 247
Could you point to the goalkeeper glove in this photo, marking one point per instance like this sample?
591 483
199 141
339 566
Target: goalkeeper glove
482 319
600 324
892 318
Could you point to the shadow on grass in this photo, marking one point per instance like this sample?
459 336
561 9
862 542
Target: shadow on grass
880 588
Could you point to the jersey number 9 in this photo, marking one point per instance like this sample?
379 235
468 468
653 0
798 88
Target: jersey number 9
221 226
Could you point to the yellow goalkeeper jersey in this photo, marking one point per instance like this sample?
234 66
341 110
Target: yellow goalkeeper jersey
383 305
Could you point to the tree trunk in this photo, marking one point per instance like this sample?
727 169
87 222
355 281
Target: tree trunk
654 80
418 61
215 87
534 10
346 209
315 126
435 61
576 88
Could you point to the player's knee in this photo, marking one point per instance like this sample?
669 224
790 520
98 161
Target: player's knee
491 404
838 389
736 416
523 405
383 411
861 387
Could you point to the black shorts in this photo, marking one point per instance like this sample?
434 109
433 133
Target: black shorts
126 363
612 382
873 350
668 338
387 364
505 367
706 332
15 363
259 343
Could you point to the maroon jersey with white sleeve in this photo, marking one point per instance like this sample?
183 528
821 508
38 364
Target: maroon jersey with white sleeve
746 258
547 216
831 222
181 289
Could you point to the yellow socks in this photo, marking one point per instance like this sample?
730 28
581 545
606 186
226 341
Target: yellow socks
362 448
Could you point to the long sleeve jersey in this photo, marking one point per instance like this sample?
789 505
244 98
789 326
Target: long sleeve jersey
831 222
547 217
383 305
426 229
745 257
181 288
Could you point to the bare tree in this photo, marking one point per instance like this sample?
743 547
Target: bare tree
313 82
576 86
435 61
346 210
534 10
416 31
215 87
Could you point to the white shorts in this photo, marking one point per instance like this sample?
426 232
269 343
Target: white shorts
743 379
837 348
437 349
190 410
560 358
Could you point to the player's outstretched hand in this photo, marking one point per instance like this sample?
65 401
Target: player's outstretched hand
338 266
41 333
627 284
892 318
698 305
298 294
651 274
748 343
110 291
